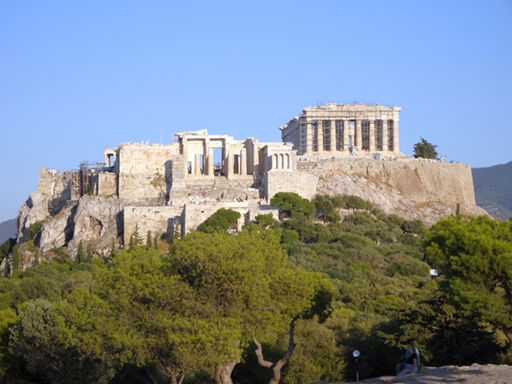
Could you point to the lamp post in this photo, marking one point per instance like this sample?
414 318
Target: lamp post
356 354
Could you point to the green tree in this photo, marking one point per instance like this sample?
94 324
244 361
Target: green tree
222 220
6 248
80 255
425 150
247 279
34 230
135 239
292 205
36 340
317 355
326 208
266 221
474 257
8 318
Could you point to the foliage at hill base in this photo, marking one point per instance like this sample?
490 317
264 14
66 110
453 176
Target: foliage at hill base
357 281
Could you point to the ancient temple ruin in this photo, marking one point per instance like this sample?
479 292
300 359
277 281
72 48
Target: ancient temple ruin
186 181
344 129
174 187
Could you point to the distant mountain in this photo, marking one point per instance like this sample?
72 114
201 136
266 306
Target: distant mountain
8 229
493 189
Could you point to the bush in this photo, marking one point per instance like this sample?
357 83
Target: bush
292 205
355 202
266 221
413 226
326 208
34 230
220 221
425 150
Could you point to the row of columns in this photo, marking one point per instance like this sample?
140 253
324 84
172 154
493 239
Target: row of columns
281 161
351 128
232 163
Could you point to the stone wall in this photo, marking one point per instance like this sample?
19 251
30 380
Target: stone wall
159 220
303 183
107 184
145 171
195 214
412 188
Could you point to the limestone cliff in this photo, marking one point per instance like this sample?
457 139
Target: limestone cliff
411 188
93 220
46 201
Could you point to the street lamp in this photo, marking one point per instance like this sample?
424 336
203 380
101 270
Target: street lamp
356 354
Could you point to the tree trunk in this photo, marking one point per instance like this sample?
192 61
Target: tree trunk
176 378
276 367
223 373
508 333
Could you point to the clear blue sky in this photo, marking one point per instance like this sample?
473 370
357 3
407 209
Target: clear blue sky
77 76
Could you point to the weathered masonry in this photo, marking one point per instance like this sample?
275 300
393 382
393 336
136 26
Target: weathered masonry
349 129
166 189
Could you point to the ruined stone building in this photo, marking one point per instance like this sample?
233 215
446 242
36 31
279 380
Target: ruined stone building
165 188
344 129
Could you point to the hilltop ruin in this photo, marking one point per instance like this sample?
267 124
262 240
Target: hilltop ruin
172 188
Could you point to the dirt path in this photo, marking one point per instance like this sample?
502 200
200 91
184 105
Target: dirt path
474 374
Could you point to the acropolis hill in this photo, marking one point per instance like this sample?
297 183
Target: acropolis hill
170 188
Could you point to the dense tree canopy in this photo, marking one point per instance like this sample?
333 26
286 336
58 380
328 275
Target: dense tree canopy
336 274
475 257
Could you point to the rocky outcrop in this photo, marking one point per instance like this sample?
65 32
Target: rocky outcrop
93 220
412 188
97 223
51 195
59 230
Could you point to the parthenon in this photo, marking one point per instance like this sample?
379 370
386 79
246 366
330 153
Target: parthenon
350 129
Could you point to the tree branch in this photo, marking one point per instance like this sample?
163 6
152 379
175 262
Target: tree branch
276 367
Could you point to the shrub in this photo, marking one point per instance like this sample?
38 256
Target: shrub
292 205
220 221
34 230
326 208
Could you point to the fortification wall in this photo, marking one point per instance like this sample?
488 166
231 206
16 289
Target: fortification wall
145 171
303 183
107 184
159 220
412 188
195 214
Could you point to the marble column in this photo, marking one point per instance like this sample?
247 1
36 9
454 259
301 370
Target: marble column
320 135
358 137
384 134
346 124
243 162
185 153
210 162
396 147
197 164
372 134
309 137
333 135
229 165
